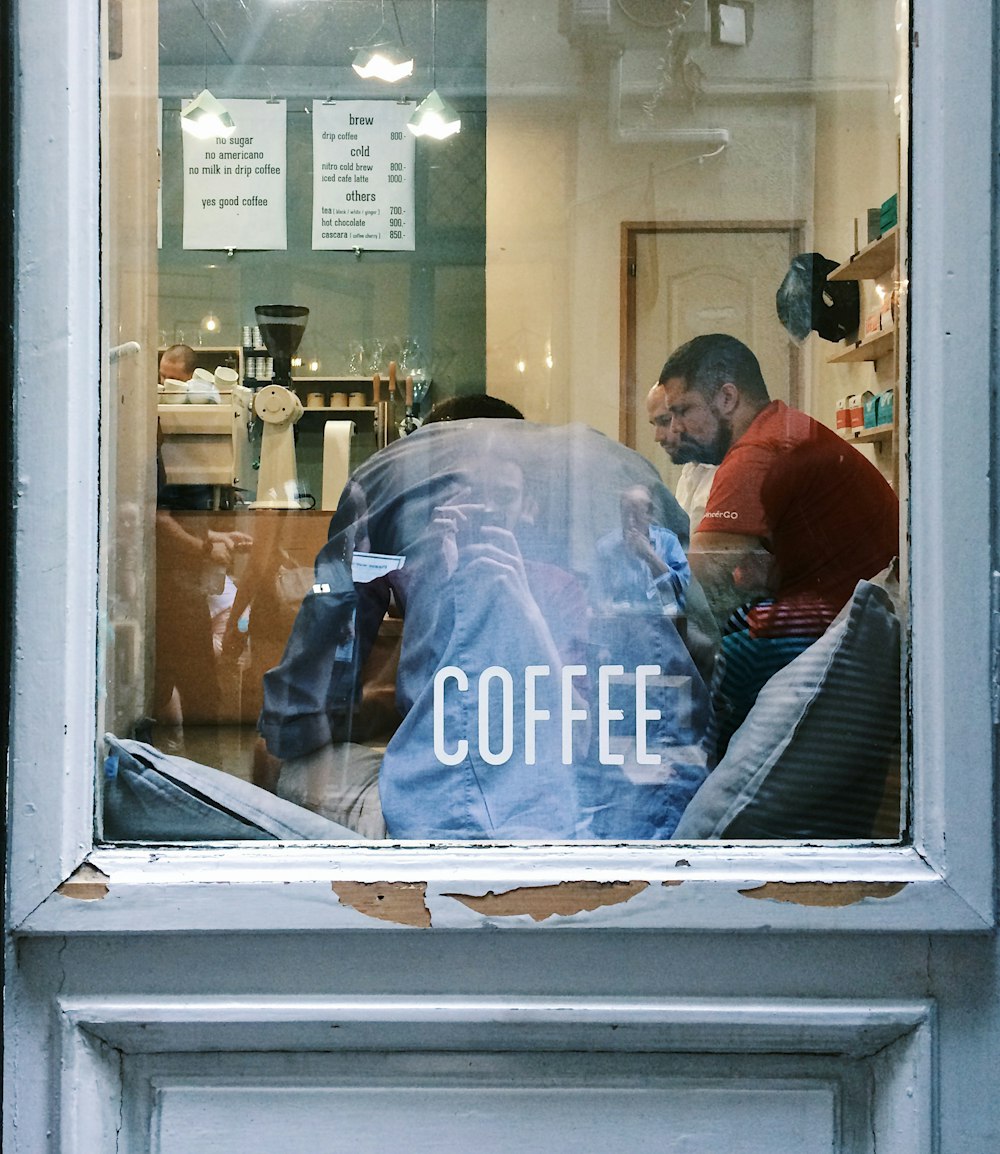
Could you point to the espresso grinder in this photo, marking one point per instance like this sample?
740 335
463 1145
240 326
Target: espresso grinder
278 408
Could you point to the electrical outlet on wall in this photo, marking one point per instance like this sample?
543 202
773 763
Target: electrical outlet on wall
732 23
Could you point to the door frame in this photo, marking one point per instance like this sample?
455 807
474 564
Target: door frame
631 230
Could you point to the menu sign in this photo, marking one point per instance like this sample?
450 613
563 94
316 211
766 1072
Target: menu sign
234 186
362 175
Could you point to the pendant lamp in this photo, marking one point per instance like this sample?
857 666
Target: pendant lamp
434 116
385 57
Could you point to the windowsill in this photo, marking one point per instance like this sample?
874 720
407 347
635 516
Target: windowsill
676 886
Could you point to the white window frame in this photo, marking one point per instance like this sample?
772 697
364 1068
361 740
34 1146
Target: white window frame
942 880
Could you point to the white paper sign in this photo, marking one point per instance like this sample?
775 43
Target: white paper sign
234 186
368 566
362 175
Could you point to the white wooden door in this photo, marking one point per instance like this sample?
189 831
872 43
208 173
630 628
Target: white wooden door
691 281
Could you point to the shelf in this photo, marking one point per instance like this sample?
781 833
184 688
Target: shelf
870 262
204 349
871 436
872 349
304 383
340 410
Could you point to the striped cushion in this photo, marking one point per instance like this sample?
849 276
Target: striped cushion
812 758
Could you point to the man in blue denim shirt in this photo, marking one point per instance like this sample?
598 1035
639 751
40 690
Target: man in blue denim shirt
519 720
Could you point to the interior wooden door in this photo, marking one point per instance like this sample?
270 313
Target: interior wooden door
683 281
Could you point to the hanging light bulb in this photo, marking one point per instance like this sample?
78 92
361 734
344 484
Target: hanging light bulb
382 61
206 117
210 323
389 62
384 57
434 117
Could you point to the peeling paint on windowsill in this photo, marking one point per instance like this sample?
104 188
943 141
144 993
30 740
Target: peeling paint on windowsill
541 902
401 902
832 895
86 884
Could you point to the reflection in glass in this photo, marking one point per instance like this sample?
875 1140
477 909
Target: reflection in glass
371 655
527 709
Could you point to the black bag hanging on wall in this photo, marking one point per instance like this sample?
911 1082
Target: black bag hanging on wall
808 302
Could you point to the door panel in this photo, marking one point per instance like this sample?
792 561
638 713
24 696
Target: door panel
526 1107
689 1074
704 280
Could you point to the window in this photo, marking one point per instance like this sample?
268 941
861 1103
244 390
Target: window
948 647
510 629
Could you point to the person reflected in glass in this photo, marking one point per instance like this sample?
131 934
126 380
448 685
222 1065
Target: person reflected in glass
192 561
513 724
339 778
643 565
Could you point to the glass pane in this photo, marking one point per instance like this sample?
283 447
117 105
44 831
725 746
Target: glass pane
535 480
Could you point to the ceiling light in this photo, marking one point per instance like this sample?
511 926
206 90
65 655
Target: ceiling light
206 117
384 57
434 117
387 62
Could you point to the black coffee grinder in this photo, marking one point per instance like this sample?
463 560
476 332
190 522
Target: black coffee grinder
281 328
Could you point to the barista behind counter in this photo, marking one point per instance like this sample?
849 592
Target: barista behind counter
516 723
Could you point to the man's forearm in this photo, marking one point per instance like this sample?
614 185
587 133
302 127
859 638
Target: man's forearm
730 568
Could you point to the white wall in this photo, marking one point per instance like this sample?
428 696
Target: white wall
561 180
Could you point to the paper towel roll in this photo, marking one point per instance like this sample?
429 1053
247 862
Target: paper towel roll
336 460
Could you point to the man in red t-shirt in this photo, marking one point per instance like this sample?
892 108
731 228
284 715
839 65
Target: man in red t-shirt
796 516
